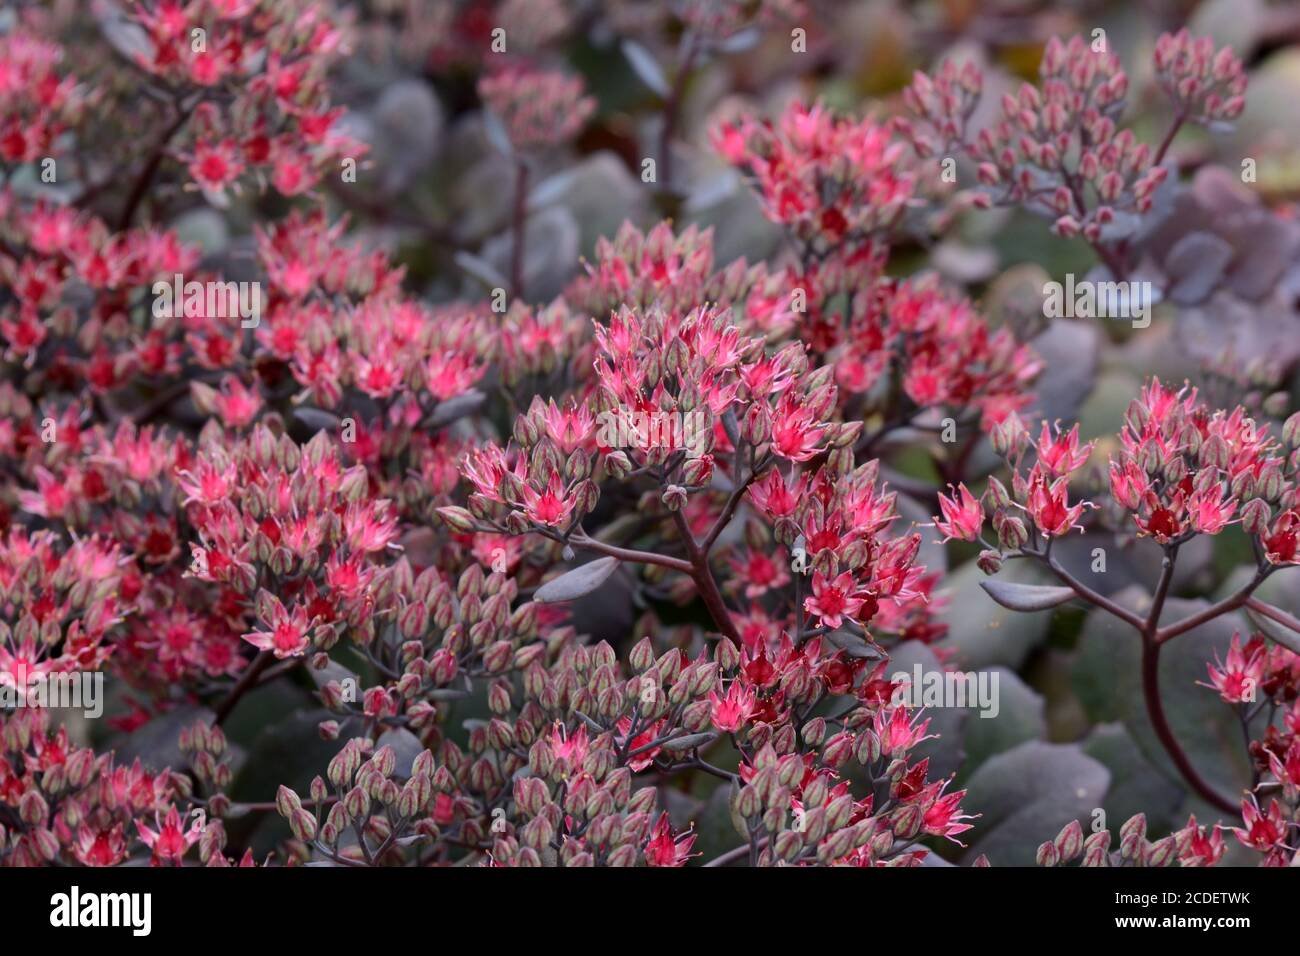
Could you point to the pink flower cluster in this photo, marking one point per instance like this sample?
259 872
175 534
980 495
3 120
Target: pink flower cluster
538 107
1185 469
61 605
281 127
266 506
37 104
1208 85
1057 147
839 187
947 355
641 270
831 181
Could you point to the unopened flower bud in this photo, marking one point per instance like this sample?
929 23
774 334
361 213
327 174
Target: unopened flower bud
1161 853
303 825
674 497
413 620
1069 842
578 466
355 484
1215 453
814 732
617 464
1291 431
1095 849
47 844
756 426
1132 836
698 471
32 809
789 844
995 495
838 749
1012 533
907 821
1067 227
286 801
1270 484
458 519
525 432
867 751
81 766
1255 517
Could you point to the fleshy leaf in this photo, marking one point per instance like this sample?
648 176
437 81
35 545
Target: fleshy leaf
574 584
1027 597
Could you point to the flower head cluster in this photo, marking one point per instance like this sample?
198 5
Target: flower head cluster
676 272
68 806
700 366
59 607
54 253
538 342
1193 845
337 324
264 506
37 104
1185 469
1208 86
946 355
589 728
802 795
1039 502
666 383
719 20
539 108
833 182
1057 148
841 523
1251 670
272 62
1254 675
839 187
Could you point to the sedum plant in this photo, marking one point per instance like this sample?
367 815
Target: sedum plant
390 559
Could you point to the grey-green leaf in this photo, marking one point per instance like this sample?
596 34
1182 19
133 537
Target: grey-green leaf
853 645
1026 597
446 412
481 270
574 584
1026 795
1274 631
689 742
646 67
